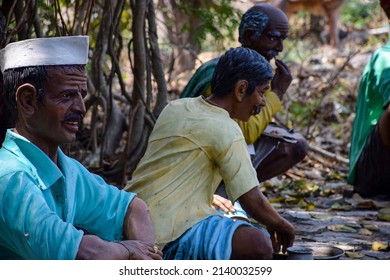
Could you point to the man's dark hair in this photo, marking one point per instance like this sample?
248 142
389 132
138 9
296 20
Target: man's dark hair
240 64
254 19
12 79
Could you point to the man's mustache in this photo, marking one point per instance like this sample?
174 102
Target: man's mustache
257 109
73 117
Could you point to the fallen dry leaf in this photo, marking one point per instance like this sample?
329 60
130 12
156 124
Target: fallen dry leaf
277 199
371 227
365 232
384 214
320 217
341 228
354 255
366 204
338 206
380 246
352 225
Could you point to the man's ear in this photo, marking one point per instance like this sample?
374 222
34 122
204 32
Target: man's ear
26 99
248 37
240 90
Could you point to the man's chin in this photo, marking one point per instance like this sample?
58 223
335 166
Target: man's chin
270 55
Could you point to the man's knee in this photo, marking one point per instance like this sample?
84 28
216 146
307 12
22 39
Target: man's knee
251 244
300 150
294 152
262 247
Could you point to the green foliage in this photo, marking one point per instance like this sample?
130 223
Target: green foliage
219 20
48 18
360 13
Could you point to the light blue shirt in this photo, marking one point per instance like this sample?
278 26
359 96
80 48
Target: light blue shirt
42 205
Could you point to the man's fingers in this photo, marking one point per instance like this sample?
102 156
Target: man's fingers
282 66
275 241
223 204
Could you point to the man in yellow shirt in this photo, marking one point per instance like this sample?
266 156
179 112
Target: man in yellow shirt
194 145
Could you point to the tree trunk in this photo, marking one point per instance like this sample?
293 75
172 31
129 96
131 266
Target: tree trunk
157 68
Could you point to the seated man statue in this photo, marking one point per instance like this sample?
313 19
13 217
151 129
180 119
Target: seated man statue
51 206
194 145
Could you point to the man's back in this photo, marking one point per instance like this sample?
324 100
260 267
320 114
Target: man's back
193 145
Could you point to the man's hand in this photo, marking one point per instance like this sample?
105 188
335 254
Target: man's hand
93 247
282 78
282 236
141 250
222 203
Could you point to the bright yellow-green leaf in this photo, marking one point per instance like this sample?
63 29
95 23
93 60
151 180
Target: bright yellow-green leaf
380 246
310 207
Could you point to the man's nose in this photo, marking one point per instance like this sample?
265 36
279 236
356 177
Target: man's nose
279 45
79 104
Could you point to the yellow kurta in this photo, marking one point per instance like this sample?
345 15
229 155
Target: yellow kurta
193 146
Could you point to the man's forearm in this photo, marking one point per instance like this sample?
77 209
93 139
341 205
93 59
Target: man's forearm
259 208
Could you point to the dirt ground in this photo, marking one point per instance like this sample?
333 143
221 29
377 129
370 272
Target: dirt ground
360 233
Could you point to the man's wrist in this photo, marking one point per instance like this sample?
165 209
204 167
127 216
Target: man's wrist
127 249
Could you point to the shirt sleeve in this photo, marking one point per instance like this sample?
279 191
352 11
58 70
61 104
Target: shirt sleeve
100 208
237 170
28 227
254 127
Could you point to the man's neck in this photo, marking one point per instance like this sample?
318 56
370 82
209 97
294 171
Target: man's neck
50 150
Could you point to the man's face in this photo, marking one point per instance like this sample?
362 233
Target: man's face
58 116
270 43
251 104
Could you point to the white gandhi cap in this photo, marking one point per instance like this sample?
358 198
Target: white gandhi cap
66 50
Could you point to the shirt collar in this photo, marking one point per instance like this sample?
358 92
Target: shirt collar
29 153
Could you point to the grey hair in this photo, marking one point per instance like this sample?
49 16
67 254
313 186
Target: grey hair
255 20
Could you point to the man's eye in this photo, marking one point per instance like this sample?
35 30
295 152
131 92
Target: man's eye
67 95
273 38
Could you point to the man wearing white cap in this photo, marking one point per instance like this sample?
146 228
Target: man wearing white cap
51 206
